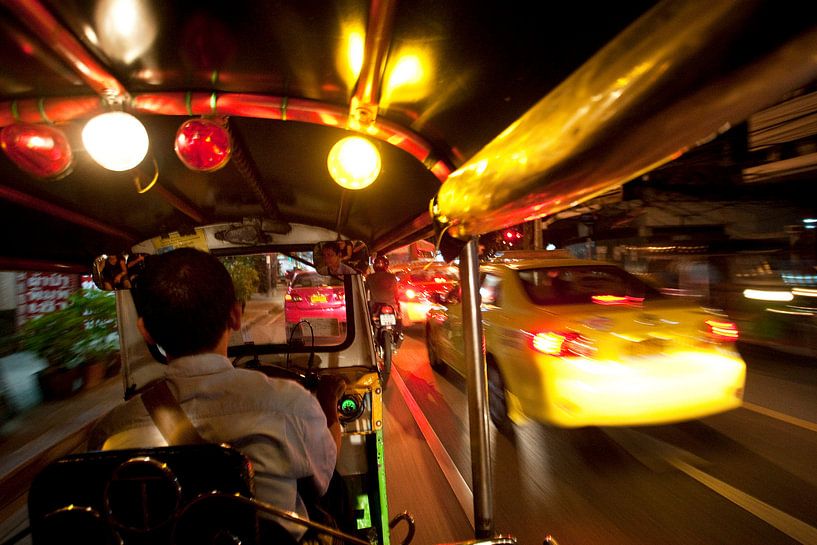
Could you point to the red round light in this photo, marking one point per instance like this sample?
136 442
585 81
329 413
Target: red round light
203 144
40 150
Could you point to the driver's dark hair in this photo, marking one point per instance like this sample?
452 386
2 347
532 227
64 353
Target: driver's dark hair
185 297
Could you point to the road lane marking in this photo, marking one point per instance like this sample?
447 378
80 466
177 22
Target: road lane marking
792 527
455 479
647 449
793 420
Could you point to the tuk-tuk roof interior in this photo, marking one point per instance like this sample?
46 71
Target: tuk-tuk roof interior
273 70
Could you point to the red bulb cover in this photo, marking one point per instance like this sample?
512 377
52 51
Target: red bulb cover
41 150
203 145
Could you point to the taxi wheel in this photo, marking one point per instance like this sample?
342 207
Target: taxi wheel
433 358
498 407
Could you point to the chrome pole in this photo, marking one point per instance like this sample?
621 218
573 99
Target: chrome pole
477 391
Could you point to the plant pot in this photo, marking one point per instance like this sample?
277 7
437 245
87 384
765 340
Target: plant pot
93 373
59 382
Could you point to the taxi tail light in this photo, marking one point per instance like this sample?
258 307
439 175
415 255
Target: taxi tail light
563 343
294 297
722 330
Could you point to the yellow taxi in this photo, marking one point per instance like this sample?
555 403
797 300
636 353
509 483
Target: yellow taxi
577 343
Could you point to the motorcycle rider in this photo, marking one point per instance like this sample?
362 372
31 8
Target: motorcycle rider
382 287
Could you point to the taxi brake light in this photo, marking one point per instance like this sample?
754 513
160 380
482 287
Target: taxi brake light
722 330
616 300
568 343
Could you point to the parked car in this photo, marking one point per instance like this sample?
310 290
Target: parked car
417 283
318 300
583 343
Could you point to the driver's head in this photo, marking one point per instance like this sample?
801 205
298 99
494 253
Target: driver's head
185 298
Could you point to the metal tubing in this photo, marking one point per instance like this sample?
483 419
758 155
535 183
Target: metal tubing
659 88
477 391
40 21
40 205
366 98
180 204
22 264
238 105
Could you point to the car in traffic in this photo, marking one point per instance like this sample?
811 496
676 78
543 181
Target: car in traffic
318 303
417 283
577 343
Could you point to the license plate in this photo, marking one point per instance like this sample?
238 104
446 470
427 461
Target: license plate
318 298
388 319
648 347
322 327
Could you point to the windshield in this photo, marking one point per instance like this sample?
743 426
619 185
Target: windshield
285 301
581 285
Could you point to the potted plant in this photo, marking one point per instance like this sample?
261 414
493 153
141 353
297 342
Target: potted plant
72 339
99 347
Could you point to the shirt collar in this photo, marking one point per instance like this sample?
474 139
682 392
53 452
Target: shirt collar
199 364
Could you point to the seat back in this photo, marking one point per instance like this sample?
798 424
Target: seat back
155 496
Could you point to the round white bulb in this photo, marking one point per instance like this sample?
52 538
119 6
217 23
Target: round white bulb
354 162
116 140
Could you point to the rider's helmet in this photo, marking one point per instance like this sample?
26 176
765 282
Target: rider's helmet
381 263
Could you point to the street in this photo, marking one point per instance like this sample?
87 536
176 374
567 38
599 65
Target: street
747 476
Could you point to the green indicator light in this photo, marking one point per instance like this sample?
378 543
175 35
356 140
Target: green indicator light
348 405
364 517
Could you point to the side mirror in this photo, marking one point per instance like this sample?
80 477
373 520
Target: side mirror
117 271
340 257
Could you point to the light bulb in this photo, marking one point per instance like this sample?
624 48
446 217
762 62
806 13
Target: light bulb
116 140
354 162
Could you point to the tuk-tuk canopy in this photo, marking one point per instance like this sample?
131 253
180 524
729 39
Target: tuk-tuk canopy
485 115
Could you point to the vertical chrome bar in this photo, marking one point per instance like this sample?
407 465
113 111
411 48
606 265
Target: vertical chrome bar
477 391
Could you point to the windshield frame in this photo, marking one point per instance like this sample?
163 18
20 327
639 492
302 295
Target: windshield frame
252 349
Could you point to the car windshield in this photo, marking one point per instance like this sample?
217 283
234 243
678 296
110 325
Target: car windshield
312 280
579 285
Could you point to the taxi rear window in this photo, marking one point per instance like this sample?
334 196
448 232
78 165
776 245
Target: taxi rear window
584 285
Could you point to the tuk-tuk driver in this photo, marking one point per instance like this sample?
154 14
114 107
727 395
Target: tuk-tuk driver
187 306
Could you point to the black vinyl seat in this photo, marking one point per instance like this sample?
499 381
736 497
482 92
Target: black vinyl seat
181 494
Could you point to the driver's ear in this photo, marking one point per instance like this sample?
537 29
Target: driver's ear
234 320
140 325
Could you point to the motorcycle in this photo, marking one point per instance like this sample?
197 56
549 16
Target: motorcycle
387 336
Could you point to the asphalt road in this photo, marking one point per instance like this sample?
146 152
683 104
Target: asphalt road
747 476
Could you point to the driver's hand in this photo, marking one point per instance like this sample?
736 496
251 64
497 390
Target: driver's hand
330 388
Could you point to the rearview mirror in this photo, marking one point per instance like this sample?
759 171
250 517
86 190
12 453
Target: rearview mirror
339 257
117 271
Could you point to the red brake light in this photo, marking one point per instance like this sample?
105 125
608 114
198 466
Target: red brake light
616 300
569 343
386 309
722 330
411 294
